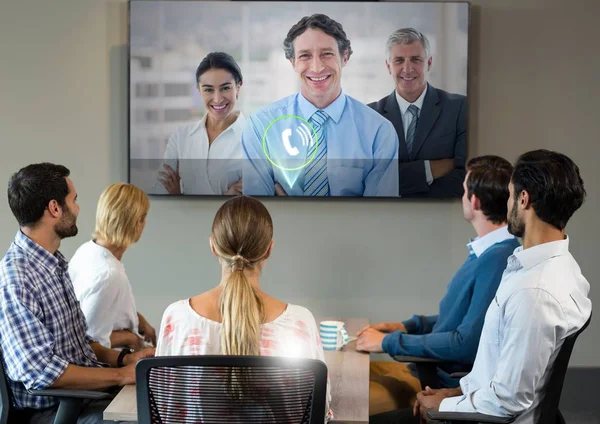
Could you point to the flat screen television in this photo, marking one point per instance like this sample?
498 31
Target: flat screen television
306 99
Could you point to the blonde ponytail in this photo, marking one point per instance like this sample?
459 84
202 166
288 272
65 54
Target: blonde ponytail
242 312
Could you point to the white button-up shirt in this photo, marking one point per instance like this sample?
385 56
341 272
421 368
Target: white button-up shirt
103 290
541 300
479 245
205 168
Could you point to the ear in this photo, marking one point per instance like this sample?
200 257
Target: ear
429 62
524 200
475 203
212 247
293 63
54 209
345 59
198 88
388 66
269 250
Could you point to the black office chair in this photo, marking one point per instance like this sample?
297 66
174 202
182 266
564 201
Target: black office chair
231 389
548 407
69 407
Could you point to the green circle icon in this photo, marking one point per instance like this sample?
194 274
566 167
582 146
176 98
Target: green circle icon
264 143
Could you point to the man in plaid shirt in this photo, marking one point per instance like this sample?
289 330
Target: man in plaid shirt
43 338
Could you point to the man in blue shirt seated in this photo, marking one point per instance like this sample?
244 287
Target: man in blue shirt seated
43 337
319 142
542 300
452 335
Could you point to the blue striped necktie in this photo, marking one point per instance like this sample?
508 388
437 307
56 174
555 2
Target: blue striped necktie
316 182
412 128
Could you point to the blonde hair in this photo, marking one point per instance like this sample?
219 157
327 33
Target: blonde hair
120 209
242 232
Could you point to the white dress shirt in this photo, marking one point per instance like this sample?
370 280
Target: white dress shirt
403 104
205 168
541 300
103 290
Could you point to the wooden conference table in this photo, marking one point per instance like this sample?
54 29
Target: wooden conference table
348 375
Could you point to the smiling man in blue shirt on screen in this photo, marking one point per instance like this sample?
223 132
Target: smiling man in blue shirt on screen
319 142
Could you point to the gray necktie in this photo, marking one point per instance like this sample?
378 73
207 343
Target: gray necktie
412 127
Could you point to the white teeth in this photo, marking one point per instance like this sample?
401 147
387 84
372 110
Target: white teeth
219 107
317 79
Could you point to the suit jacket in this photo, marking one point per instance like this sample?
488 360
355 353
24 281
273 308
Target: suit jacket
441 134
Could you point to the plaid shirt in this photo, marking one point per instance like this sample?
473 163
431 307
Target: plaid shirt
42 328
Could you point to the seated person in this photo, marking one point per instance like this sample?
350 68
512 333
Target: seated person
452 335
542 299
99 278
237 317
42 329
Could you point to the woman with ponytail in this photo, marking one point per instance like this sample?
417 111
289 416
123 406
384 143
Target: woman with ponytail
237 317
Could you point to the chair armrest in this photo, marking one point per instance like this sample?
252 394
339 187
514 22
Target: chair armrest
470 417
458 374
416 359
69 393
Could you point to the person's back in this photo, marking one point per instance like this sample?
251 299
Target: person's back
236 317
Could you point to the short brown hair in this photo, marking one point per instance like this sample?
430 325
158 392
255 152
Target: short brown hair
488 179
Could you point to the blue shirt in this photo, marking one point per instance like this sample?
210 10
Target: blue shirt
453 335
362 149
42 328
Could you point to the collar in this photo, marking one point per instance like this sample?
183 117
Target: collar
237 127
37 253
479 245
334 110
403 104
528 258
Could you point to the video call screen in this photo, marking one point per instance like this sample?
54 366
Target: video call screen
304 99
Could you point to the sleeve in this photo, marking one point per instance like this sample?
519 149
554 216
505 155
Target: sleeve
420 324
28 346
382 179
534 323
165 334
170 158
450 185
257 172
98 307
461 344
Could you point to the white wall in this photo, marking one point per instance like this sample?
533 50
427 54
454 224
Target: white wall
534 73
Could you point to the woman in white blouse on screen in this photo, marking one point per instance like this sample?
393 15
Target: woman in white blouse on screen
237 317
98 275
206 157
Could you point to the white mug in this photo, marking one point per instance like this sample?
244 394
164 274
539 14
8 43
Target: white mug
333 335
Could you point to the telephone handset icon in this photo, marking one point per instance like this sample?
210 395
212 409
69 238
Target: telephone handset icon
285 138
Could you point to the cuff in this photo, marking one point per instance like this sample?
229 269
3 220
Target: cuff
54 369
390 341
449 404
412 324
428 174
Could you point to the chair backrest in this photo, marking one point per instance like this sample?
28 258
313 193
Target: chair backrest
548 406
5 394
231 389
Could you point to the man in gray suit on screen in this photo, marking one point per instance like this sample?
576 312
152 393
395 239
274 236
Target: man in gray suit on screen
431 123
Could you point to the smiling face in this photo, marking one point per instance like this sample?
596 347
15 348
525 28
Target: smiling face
219 92
318 63
409 67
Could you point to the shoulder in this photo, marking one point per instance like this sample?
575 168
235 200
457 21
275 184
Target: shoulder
449 98
15 268
372 117
175 311
185 131
300 313
379 105
275 109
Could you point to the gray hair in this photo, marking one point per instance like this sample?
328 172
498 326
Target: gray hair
325 24
407 36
